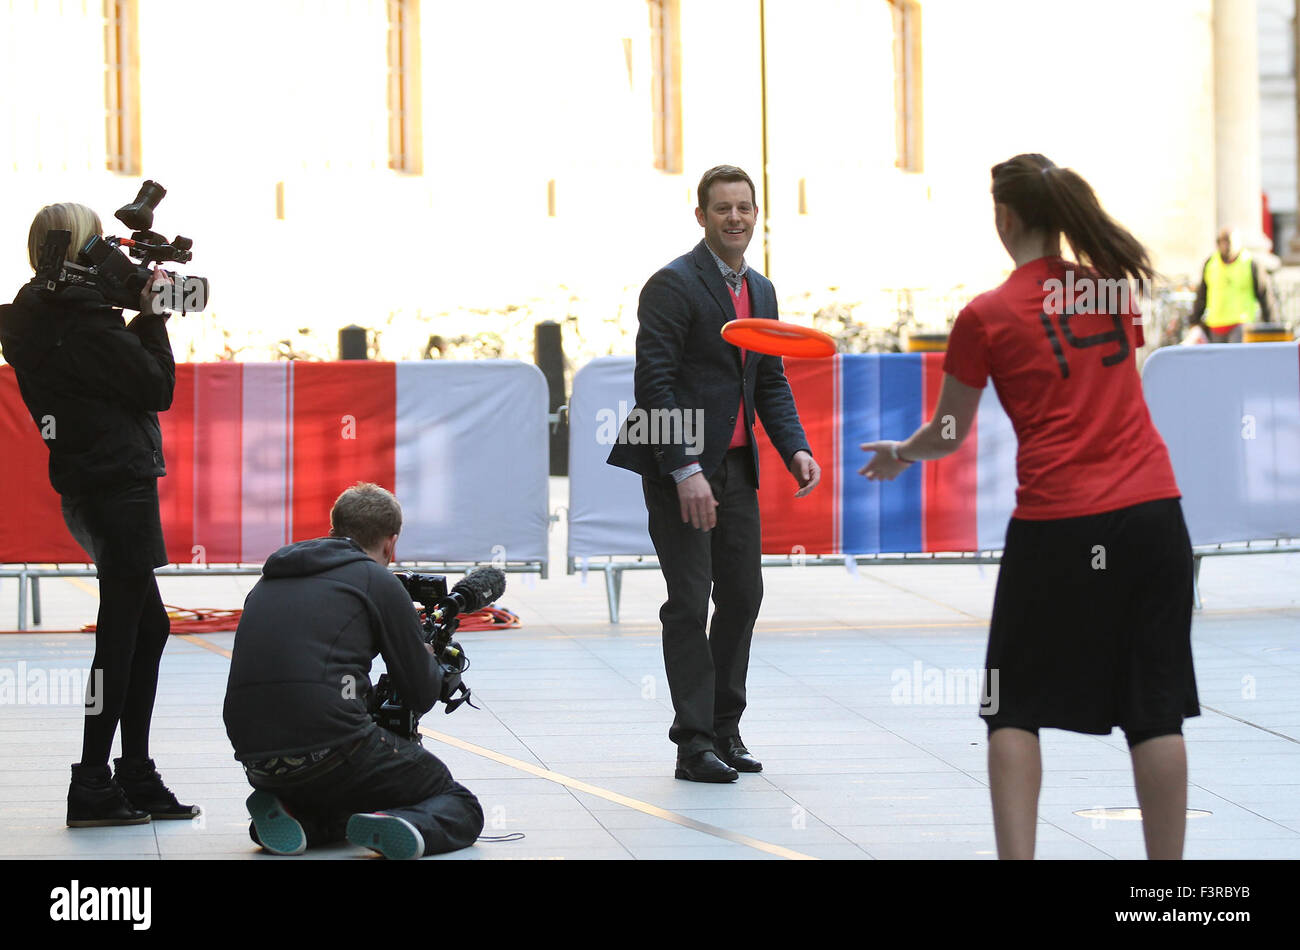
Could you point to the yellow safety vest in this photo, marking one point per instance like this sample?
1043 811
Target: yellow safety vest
1229 291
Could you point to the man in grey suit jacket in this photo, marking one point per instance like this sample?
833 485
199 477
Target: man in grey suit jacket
691 438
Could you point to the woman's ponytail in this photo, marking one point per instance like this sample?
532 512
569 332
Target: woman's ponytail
1058 199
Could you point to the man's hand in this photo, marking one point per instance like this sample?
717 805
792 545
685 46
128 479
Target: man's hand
884 466
699 507
806 472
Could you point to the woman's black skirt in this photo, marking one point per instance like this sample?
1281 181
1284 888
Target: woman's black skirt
119 527
1092 623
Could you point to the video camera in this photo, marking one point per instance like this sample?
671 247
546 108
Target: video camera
439 617
104 265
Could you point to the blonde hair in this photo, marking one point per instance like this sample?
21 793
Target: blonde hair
64 216
367 514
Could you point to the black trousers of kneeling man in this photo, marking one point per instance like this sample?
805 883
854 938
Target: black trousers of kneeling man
382 772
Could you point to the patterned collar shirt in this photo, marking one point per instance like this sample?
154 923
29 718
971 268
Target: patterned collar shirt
733 278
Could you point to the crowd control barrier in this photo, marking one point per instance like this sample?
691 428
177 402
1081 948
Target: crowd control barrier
257 453
951 511
1230 415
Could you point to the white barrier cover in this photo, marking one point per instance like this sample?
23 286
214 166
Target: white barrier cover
472 460
606 506
1230 415
265 470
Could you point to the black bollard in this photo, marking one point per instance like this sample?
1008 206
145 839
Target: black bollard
548 354
354 343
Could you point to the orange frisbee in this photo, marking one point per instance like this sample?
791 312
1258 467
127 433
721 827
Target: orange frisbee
778 339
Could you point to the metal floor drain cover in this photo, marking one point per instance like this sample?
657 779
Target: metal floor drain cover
1129 814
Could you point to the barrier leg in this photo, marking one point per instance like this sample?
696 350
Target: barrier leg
22 601
36 600
613 590
1196 582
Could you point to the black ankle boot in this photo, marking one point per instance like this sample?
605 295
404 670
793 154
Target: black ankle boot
144 789
95 800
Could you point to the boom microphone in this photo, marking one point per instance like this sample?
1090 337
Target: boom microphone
474 591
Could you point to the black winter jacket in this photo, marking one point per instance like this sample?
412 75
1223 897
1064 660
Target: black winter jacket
299 678
93 384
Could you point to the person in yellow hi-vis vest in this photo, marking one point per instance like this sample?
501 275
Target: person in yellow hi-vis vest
1233 290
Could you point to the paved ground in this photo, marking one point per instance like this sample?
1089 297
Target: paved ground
862 708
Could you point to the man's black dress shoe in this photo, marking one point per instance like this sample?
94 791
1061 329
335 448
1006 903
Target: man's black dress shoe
733 752
703 767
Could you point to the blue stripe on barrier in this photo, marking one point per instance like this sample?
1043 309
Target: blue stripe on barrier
901 405
860 422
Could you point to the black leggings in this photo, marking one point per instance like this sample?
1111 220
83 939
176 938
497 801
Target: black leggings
130 635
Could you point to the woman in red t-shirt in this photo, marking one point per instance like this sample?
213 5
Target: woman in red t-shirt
1091 624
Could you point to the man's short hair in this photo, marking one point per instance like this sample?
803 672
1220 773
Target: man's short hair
366 513
722 173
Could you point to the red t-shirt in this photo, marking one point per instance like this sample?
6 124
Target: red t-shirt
1070 384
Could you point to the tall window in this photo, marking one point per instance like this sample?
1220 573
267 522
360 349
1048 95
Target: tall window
666 84
405 147
907 85
122 86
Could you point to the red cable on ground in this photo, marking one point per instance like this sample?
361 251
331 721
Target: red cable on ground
199 620
489 618
205 620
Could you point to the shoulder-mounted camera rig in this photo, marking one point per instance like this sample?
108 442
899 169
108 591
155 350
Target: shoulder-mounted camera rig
104 265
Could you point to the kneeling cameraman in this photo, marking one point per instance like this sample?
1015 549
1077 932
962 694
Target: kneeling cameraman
296 701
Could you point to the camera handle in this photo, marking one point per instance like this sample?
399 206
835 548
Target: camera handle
461 694
154 248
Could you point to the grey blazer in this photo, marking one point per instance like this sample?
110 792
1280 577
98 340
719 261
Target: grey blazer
684 366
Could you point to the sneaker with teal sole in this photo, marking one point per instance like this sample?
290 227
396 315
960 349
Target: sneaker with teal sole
276 830
393 837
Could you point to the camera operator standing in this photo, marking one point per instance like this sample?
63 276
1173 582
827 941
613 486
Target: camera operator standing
94 386
297 709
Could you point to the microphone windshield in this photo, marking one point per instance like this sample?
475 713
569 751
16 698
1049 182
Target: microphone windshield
480 587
